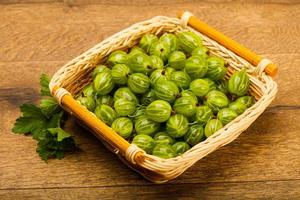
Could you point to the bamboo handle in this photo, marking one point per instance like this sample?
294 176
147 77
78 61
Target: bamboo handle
99 127
271 69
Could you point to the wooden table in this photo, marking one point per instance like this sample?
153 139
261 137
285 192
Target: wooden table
36 37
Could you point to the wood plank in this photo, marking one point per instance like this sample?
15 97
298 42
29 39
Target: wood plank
26 74
271 147
157 2
141 2
28 1
31 33
246 190
287 79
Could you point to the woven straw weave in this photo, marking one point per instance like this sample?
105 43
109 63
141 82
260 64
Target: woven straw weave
76 74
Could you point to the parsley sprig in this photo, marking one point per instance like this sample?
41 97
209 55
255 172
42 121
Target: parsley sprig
44 124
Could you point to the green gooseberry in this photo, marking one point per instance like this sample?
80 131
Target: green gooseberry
159 74
246 100
98 69
88 90
103 83
159 111
166 90
185 106
139 62
200 51
238 107
138 83
196 67
187 93
181 79
144 142
124 107
161 50
168 72
200 87
105 113
226 115
171 40
120 73
203 114
212 84
164 151
125 93
216 100
123 126
180 147
238 83
163 138
88 102
177 126
157 62
144 125
216 69
212 126
147 40
188 41
117 57
194 135
177 60
135 50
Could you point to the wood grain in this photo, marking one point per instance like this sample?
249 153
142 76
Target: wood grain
141 2
214 191
84 26
263 163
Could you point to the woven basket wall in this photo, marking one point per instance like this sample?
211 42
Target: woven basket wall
77 74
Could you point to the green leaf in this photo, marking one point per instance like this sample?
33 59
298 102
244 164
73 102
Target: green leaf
59 133
43 123
41 135
43 151
32 121
49 107
55 144
44 82
30 110
55 120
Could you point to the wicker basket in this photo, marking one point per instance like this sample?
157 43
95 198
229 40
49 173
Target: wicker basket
72 77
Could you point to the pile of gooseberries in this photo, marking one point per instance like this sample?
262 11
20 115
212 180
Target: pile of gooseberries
166 94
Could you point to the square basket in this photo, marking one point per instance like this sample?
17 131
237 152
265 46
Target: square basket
71 78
